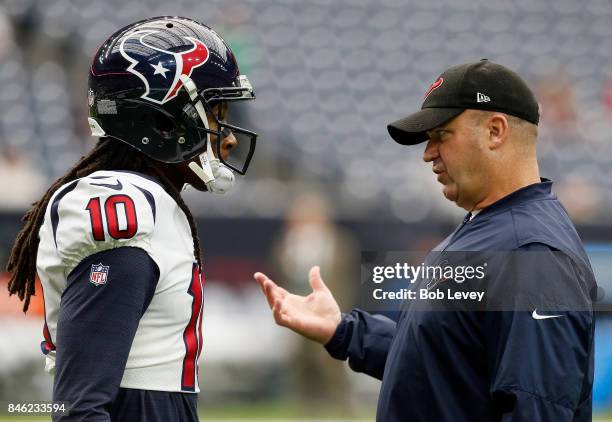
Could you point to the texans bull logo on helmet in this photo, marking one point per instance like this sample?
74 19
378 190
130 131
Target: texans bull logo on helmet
161 73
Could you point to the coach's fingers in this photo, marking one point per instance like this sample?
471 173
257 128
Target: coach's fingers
275 294
276 312
272 293
315 280
271 290
281 316
260 278
266 286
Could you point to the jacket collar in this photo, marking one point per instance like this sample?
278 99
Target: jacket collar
534 192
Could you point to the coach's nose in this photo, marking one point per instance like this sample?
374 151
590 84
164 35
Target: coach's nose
431 151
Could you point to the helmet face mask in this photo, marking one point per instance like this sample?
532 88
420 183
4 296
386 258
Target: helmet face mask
214 100
137 93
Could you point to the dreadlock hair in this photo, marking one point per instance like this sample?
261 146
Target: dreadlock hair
106 155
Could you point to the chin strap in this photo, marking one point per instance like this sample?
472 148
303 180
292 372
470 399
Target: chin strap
218 178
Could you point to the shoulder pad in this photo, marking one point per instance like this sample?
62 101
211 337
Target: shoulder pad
104 210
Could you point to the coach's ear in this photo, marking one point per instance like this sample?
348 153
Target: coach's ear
497 127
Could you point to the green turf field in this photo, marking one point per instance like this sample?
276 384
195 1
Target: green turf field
245 413
203 419
269 411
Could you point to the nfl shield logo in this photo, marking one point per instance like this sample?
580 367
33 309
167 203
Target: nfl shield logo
99 274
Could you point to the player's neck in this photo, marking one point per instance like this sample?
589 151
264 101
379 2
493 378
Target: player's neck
171 172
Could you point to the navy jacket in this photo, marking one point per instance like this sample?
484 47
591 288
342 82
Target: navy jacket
482 365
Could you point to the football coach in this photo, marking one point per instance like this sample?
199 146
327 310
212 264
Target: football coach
479 121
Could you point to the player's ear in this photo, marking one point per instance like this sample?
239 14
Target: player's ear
497 128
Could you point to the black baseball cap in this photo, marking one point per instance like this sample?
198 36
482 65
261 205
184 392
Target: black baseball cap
482 85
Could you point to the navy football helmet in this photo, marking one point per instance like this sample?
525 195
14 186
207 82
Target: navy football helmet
152 83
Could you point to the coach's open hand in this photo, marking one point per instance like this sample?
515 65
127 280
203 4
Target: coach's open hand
315 316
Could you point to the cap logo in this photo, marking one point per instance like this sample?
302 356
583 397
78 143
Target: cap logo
433 86
481 98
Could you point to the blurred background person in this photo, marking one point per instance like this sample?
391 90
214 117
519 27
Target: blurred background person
310 236
15 169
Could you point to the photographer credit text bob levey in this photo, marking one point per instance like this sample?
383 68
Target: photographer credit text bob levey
436 273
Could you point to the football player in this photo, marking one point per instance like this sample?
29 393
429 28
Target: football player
114 245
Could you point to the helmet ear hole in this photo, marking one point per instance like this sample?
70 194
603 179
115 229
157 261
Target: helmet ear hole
164 125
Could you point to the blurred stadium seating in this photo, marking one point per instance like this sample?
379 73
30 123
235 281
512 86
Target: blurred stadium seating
329 75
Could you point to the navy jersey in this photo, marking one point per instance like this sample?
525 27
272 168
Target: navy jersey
474 365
